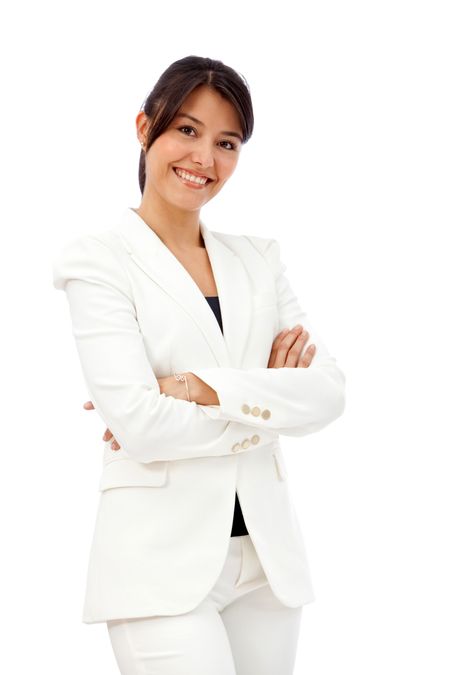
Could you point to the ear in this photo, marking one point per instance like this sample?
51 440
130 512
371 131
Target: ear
142 125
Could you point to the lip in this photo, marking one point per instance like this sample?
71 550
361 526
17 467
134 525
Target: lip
194 173
190 184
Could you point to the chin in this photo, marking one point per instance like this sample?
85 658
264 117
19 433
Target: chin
186 204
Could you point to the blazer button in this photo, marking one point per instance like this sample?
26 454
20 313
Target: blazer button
245 443
256 411
255 439
245 408
236 447
265 414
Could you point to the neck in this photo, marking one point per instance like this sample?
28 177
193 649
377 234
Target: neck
175 227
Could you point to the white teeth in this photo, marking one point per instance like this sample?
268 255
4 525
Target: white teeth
190 177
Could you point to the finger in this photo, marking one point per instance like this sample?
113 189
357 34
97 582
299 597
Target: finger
280 336
115 445
285 345
88 405
305 360
275 345
107 435
296 349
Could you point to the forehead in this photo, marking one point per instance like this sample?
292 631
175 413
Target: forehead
210 107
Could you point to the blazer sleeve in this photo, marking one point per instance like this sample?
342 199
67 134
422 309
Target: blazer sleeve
149 425
290 401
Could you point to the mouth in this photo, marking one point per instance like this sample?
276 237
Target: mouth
191 180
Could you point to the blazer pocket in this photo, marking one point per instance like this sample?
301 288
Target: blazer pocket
129 473
280 467
263 300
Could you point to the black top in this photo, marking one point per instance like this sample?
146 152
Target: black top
238 528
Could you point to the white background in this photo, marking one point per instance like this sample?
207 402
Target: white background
348 168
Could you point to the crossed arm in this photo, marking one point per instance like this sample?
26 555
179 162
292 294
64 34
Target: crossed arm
150 425
287 352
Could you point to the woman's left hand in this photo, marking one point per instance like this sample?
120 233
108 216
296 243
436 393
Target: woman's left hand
168 386
107 435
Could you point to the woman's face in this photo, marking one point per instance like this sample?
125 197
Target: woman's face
208 147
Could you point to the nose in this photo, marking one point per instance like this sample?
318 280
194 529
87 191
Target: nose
203 155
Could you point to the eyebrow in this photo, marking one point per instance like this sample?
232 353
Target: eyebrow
194 119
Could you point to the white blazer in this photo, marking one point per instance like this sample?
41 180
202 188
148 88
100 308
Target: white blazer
167 496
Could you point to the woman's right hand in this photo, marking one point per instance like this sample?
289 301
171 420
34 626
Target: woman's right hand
287 349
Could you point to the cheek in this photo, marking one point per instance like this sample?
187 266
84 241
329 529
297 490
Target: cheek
173 147
227 167
166 149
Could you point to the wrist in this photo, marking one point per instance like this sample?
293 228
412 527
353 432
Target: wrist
201 392
184 386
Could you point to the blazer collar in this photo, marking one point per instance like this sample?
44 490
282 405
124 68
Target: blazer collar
149 252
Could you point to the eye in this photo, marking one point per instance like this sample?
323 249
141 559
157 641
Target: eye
181 128
233 145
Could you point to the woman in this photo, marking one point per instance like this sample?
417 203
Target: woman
193 348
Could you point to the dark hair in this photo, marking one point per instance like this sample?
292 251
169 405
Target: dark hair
178 81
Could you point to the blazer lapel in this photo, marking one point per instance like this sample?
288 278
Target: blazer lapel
233 286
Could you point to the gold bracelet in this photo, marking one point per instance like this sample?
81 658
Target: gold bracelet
183 378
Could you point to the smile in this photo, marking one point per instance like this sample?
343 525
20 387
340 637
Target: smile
190 180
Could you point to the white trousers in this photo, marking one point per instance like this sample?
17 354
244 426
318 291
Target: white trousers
240 628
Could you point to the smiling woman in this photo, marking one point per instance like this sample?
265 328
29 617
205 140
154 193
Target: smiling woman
201 158
169 103
197 562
